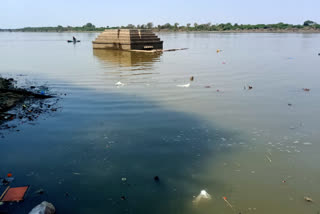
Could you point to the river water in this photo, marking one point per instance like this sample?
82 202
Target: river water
259 148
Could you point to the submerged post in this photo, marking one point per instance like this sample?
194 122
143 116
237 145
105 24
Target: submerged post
128 39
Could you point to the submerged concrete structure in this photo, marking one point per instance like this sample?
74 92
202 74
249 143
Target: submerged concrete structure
128 39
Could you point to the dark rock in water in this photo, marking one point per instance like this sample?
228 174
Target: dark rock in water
156 178
43 208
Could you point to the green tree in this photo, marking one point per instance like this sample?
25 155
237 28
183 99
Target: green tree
89 27
149 25
176 26
167 26
308 23
130 26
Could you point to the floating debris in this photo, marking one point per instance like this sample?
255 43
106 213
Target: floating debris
250 87
306 89
14 194
45 208
269 159
307 143
123 179
40 191
225 199
191 78
184 86
119 84
308 199
175 49
203 196
156 178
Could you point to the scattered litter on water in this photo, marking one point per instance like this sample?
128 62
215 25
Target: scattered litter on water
119 84
184 86
175 49
269 159
39 192
228 203
156 178
308 199
203 196
43 208
306 89
14 194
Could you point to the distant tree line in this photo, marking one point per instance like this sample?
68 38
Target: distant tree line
307 25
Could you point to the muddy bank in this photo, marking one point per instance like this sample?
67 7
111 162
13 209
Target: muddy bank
22 104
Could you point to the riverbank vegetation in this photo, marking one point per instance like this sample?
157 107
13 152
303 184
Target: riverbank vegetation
306 26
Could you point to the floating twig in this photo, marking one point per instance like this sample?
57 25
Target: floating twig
268 158
225 199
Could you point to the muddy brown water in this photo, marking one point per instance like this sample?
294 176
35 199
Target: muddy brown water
215 135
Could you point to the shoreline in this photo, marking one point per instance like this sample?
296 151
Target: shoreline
247 31
187 31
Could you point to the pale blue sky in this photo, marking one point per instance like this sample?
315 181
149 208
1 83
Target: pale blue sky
22 13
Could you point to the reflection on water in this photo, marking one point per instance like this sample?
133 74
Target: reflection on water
127 66
126 58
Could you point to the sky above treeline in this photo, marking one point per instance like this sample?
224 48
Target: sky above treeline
35 13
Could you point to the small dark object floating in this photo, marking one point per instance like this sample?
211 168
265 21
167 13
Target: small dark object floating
156 178
306 89
73 41
250 87
123 198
